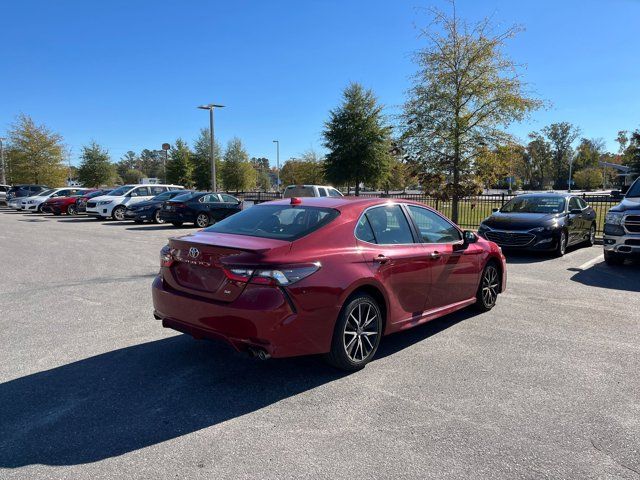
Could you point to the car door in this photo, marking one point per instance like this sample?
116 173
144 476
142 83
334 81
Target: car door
137 195
588 217
230 204
398 261
575 222
454 264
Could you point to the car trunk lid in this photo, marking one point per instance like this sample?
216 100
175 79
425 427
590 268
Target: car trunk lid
201 262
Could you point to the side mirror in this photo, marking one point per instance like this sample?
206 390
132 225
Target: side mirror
133 194
494 210
575 211
469 237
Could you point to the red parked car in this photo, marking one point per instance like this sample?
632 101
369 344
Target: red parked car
323 276
68 205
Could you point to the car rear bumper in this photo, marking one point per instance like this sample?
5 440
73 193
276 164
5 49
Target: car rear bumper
261 317
171 217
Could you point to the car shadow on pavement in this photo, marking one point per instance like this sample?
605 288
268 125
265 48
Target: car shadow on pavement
142 228
619 277
134 397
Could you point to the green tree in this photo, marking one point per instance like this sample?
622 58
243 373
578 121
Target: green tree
261 167
96 168
588 153
631 156
588 178
131 176
541 158
306 170
201 161
561 136
151 163
179 166
35 154
357 139
237 171
129 161
466 91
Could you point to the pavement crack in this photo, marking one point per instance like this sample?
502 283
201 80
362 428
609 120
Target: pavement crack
608 454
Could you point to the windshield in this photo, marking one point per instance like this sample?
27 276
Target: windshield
634 190
120 191
534 205
278 222
163 196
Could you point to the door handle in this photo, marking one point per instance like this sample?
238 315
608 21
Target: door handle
435 255
381 259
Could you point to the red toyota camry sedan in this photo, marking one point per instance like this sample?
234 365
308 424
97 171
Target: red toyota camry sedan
323 276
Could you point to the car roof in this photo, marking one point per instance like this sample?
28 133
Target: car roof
547 194
342 203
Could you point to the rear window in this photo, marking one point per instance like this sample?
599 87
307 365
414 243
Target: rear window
278 222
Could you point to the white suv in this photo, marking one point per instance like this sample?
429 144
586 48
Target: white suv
115 204
310 191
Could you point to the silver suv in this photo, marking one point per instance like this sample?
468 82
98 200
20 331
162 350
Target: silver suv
622 228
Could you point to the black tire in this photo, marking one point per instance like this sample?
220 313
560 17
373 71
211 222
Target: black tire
591 240
613 259
156 217
57 214
118 213
176 224
72 210
203 220
351 335
561 248
489 287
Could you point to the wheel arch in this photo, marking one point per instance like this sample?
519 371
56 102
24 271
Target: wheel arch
375 291
498 263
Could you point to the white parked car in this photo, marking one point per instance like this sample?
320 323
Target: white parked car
311 191
3 193
34 203
115 204
14 203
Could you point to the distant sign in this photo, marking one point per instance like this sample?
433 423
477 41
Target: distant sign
166 146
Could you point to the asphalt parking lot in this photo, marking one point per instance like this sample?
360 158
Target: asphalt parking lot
546 385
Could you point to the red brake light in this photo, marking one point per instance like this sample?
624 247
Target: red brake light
296 201
280 276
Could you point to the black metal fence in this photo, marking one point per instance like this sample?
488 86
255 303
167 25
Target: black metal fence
471 210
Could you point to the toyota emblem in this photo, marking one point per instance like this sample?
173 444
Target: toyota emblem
194 252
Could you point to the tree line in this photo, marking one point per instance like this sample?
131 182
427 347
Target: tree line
451 137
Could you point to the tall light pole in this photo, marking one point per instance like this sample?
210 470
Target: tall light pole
277 142
211 107
165 149
3 175
570 170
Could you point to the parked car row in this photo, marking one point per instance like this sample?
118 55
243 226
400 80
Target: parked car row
333 275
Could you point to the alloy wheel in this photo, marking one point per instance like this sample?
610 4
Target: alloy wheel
562 246
361 331
71 210
203 220
156 217
118 213
592 235
490 286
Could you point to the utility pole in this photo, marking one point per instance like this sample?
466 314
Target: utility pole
570 168
277 142
165 148
211 107
3 175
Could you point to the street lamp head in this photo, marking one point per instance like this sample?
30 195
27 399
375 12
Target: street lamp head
276 141
210 106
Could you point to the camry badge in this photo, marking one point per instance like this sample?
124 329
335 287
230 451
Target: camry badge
194 252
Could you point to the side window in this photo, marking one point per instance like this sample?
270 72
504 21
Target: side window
390 226
322 192
228 198
582 203
157 190
364 231
334 193
432 227
209 198
142 191
573 203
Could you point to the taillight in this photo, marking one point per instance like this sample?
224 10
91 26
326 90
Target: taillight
166 257
281 276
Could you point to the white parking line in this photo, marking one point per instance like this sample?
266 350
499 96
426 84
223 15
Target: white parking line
586 265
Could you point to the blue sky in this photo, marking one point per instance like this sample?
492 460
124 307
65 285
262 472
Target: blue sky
129 74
